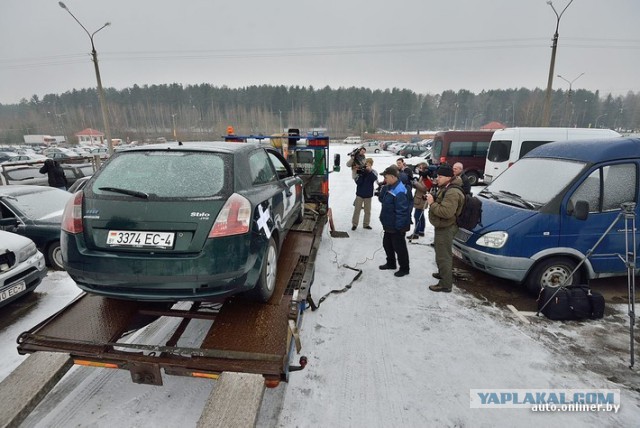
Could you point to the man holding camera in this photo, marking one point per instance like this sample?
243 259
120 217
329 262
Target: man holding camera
423 185
356 161
395 216
444 208
365 179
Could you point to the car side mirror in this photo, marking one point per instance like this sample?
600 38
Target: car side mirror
336 162
581 210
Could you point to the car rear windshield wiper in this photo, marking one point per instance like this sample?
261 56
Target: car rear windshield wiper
518 198
126 192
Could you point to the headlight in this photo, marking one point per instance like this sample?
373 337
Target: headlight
493 239
27 252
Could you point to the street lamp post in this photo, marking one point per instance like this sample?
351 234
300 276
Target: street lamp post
280 114
94 55
406 124
570 82
361 120
598 118
390 120
173 121
546 114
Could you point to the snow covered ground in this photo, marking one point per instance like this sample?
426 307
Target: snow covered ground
386 353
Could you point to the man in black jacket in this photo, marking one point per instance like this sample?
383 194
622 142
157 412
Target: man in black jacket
55 174
458 169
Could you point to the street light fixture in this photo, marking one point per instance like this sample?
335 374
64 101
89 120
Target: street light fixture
598 118
173 120
406 125
94 56
546 114
570 82
390 120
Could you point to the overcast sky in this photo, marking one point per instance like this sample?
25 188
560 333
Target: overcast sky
424 45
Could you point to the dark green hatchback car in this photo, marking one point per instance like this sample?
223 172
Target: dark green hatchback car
182 221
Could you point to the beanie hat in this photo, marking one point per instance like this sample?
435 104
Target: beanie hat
391 170
445 170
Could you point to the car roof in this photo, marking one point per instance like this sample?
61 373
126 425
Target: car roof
199 146
599 150
21 189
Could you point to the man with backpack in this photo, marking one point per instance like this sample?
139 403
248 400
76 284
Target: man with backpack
444 208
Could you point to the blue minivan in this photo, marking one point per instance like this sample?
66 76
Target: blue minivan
542 216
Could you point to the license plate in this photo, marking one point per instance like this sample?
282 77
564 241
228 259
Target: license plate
457 253
14 289
139 239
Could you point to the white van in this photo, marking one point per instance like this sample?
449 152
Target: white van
510 144
353 140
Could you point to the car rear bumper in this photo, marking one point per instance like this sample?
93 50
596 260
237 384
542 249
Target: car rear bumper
162 277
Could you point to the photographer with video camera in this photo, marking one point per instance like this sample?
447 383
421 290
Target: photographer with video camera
356 161
365 180
423 184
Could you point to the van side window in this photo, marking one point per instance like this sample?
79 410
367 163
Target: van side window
499 150
527 146
618 186
468 148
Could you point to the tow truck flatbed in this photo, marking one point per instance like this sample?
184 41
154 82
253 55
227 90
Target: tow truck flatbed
244 336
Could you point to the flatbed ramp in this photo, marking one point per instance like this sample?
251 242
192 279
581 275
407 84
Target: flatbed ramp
248 343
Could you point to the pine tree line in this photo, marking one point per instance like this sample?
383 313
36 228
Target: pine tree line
203 112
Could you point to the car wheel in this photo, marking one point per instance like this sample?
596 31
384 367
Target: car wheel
267 281
54 256
473 178
408 155
376 151
552 273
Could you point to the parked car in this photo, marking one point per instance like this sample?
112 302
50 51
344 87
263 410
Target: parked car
22 174
35 212
182 221
6 155
468 147
102 152
75 171
410 150
22 267
371 146
24 158
353 140
59 153
79 184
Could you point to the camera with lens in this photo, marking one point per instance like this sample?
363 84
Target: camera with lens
361 170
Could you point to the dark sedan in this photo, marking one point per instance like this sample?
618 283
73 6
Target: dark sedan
35 212
175 221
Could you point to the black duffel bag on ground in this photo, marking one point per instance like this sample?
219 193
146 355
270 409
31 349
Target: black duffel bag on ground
570 303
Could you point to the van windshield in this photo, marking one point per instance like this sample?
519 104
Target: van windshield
534 180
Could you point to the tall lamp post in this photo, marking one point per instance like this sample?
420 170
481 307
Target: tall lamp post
406 125
546 114
173 120
390 120
94 55
570 82
598 118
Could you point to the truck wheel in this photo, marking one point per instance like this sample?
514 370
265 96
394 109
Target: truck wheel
267 282
472 177
552 273
53 256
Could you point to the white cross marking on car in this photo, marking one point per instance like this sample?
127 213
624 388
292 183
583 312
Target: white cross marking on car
263 221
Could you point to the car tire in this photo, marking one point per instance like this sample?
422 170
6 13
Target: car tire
376 151
267 281
551 273
53 256
473 178
408 155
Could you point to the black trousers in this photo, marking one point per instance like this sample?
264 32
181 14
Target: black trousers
395 243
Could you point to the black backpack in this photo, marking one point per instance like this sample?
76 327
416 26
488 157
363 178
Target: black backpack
471 214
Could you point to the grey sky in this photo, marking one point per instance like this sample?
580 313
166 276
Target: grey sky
424 45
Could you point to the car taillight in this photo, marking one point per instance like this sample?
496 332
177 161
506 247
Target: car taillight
72 217
234 217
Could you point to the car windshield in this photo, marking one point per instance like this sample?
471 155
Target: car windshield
42 206
166 174
534 180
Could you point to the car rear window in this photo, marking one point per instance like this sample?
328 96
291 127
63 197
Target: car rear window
167 174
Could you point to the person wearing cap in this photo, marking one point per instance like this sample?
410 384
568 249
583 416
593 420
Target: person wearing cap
364 193
444 208
395 216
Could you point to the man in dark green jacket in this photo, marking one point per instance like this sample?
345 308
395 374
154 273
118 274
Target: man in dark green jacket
443 211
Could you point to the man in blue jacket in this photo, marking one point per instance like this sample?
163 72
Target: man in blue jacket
365 180
395 217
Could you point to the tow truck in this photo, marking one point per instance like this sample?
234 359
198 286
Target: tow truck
243 337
